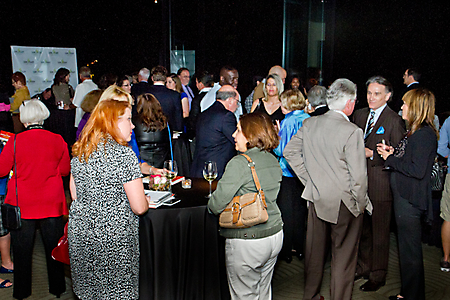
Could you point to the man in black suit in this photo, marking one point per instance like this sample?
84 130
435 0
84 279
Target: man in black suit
380 123
204 82
170 100
142 86
411 80
215 127
183 74
317 101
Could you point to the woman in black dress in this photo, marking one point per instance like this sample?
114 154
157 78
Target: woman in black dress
270 104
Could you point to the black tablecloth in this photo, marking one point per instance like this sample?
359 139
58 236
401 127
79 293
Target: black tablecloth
182 254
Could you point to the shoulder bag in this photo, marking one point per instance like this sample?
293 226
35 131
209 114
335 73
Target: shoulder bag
11 213
246 210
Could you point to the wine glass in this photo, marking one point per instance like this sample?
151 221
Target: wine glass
386 148
170 171
210 173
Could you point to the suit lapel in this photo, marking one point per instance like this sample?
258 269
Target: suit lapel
378 124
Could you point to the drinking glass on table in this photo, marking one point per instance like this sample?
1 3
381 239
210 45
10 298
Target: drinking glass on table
170 171
210 173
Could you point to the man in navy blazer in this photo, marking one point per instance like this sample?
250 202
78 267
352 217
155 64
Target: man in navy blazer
170 100
142 86
215 127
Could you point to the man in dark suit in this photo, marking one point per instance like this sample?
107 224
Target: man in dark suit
411 80
327 154
380 123
317 101
170 100
142 86
204 82
215 127
183 74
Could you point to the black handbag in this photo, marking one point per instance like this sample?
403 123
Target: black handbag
11 213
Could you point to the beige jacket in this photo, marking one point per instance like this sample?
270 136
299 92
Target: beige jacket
327 154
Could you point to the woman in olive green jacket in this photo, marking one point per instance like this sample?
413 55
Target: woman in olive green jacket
251 253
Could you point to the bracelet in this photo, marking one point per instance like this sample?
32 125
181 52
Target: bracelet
150 170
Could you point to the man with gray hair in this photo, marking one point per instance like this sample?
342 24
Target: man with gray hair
327 154
380 124
317 101
215 127
86 86
142 86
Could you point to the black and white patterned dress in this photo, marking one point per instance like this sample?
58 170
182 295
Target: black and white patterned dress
103 231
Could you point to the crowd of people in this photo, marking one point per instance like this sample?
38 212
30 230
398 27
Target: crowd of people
332 177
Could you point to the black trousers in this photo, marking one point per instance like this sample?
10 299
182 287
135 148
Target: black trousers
22 241
294 213
409 236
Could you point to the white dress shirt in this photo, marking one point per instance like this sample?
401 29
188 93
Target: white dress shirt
80 92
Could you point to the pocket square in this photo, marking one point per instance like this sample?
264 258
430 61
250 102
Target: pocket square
380 130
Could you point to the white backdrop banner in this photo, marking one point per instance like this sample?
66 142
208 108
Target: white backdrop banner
39 65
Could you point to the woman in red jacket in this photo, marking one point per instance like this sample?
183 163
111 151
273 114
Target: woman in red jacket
41 160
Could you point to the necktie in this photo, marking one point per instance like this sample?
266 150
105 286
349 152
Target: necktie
370 124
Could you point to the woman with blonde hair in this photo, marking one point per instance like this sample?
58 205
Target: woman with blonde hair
108 195
289 200
117 93
270 104
410 164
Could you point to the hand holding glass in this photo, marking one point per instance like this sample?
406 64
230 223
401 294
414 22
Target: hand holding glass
210 173
384 150
170 171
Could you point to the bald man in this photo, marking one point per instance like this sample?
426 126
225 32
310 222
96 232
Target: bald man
215 127
259 93
228 76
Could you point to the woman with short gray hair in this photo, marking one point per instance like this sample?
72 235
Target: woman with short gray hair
39 159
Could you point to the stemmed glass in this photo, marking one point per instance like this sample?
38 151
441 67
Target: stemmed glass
386 148
210 173
170 171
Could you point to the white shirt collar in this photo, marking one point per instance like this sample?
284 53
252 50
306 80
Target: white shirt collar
342 113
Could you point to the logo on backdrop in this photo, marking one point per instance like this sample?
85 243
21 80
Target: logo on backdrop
40 64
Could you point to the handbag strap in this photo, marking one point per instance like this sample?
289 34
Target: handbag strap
251 164
15 170
170 141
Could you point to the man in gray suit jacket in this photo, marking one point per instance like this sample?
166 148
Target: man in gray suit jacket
327 154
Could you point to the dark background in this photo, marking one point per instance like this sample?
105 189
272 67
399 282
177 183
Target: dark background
364 38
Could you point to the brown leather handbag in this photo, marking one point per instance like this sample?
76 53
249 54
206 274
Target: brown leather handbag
246 210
